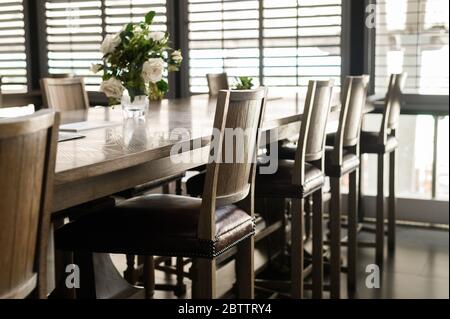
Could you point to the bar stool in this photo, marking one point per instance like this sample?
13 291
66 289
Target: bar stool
216 83
382 143
27 165
169 225
303 177
298 180
342 160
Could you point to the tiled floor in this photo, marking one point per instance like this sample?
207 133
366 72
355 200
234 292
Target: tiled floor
419 269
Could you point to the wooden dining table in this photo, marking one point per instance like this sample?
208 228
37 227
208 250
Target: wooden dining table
132 152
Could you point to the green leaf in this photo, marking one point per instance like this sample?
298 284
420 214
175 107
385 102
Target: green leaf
163 86
149 17
129 27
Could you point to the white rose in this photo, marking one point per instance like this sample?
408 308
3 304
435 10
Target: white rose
177 57
112 88
152 70
110 43
157 36
95 68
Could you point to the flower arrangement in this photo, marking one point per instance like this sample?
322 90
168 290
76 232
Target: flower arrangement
135 60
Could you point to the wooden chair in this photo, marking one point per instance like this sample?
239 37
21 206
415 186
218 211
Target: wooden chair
66 95
301 178
342 160
382 143
27 165
216 83
168 225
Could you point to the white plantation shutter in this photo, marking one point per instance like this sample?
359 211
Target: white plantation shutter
302 41
223 37
280 43
74 35
12 47
76 28
412 36
120 12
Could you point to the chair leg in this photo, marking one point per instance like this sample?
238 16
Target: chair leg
245 269
178 187
205 277
130 273
361 214
297 248
352 230
149 276
307 218
85 263
317 271
335 238
379 236
180 287
392 214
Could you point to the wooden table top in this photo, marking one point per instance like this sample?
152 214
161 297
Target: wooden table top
133 142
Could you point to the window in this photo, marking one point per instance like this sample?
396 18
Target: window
442 173
301 41
13 63
223 37
74 35
120 12
414 157
75 30
279 43
412 35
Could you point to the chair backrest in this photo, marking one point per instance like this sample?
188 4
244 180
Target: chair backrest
64 94
61 76
393 103
353 103
352 109
216 83
27 165
231 171
311 142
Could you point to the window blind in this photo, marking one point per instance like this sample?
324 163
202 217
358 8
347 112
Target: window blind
74 35
121 12
76 28
223 37
13 63
301 41
279 43
412 36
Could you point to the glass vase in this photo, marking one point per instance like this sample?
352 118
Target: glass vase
137 108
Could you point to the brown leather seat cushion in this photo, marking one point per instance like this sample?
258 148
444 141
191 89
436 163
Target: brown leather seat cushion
349 163
194 185
280 183
287 150
369 143
161 225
